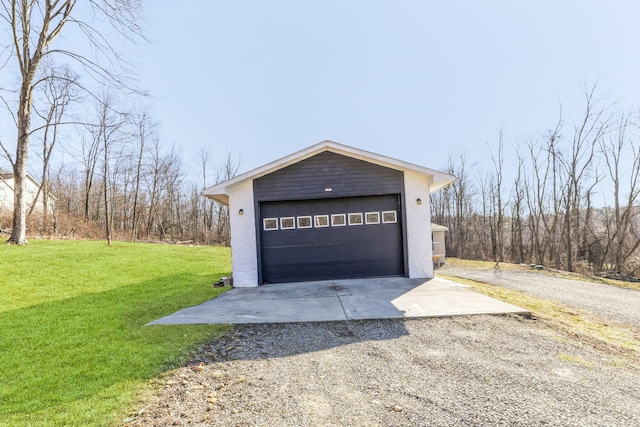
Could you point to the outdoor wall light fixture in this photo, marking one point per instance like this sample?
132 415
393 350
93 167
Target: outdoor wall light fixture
241 212
419 201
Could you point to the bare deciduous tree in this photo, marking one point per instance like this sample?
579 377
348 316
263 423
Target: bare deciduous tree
227 170
497 219
615 148
107 132
144 128
517 212
578 167
34 26
90 151
58 91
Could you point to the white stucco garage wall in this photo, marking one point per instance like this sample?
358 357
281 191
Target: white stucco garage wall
244 258
418 225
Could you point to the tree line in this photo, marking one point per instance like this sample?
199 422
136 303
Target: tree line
73 101
34 63
571 204
115 177
75 104
124 182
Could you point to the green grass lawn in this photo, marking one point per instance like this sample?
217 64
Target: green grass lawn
73 346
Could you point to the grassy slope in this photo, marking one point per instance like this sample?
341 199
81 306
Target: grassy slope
73 346
455 262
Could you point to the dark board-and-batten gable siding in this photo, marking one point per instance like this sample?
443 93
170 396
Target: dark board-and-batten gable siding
345 176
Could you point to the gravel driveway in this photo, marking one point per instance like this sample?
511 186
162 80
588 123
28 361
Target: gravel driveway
460 371
622 305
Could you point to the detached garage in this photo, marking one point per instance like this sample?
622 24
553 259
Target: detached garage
327 212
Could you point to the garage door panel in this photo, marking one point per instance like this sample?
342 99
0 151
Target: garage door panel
334 270
283 238
380 249
329 253
332 252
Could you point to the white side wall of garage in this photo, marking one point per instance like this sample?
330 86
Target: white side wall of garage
243 235
418 224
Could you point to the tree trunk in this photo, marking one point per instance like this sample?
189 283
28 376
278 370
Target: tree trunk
136 191
19 223
107 214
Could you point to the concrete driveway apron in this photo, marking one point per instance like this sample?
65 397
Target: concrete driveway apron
354 299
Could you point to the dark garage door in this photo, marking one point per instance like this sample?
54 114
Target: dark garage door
331 239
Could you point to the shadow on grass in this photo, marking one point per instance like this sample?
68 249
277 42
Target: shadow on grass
55 353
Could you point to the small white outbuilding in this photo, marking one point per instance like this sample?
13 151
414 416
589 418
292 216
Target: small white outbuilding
330 211
439 247
7 183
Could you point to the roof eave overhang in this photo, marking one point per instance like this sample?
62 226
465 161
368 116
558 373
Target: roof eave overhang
220 198
440 182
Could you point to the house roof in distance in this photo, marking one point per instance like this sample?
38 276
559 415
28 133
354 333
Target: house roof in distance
218 192
5 174
438 227
9 175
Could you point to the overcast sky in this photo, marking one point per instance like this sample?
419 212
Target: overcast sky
410 79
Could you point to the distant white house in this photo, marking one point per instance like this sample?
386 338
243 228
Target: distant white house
7 183
439 249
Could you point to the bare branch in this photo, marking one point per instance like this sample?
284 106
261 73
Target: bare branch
7 154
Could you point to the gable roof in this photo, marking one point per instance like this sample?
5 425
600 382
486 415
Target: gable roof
7 180
218 192
4 174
